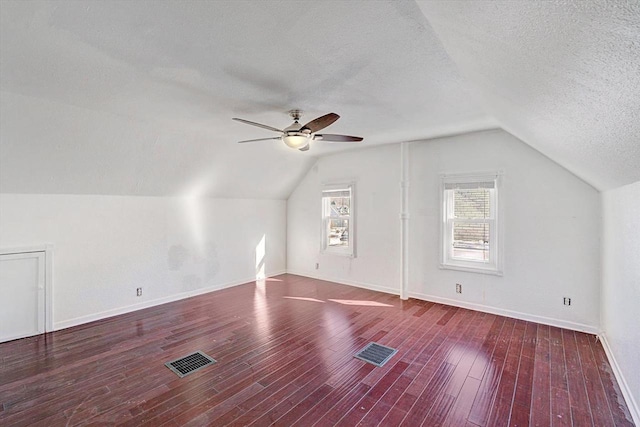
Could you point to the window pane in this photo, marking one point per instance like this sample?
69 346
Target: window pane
474 203
338 232
471 241
339 206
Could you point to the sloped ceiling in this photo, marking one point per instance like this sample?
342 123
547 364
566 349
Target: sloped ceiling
562 76
136 98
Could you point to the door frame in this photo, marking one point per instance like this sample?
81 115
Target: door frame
48 276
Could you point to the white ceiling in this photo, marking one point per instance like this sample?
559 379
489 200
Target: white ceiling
562 76
137 97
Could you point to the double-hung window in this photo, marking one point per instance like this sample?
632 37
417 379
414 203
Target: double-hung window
471 228
338 220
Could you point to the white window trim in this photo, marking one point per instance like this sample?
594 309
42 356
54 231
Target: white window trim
349 251
496 266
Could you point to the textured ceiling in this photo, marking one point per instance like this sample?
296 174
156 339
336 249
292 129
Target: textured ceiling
137 97
562 76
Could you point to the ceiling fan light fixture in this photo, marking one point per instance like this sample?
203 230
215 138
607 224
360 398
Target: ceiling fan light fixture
296 140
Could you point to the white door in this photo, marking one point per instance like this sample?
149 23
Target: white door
22 299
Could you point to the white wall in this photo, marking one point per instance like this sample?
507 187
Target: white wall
551 232
376 175
107 246
621 287
552 229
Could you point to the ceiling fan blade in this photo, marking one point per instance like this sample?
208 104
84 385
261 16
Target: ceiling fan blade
259 139
320 123
337 138
257 124
305 148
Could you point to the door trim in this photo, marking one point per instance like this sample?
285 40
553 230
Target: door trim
48 276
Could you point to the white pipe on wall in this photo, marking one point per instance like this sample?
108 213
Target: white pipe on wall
404 220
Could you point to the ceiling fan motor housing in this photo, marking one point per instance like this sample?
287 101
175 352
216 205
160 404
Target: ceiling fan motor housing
295 114
292 136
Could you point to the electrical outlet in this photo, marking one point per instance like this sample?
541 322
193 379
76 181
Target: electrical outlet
566 301
139 292
458 288
317 265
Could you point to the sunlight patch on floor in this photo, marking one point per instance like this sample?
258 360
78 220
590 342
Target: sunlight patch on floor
360 302
305 299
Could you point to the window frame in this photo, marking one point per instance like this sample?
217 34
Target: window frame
349 250
496 221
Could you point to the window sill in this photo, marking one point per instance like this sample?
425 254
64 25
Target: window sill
490 271
347 254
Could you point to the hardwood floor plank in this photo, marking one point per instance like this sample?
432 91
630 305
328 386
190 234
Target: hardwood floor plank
425 401
310 382
464 400
330 418
600 410
285 405
284 349
439 410
487 349
426 363
558 362
560 408
521 407
519 416
393 418
208 417
361 408
387 402
619 409
483 402
501 410
327 404
541 391
578 398
304 406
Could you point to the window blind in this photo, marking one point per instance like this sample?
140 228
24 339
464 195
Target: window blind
469 185
336 193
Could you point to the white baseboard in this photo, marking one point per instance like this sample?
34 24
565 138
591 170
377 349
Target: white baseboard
624 386
509 313
346 282
456 303
152 303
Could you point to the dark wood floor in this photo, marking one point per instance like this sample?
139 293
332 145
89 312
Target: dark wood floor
285 357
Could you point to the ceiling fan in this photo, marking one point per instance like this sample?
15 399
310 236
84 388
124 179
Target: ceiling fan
299 136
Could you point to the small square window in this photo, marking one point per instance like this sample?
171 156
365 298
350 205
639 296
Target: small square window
338 220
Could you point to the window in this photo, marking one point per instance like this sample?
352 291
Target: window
471 233
338 220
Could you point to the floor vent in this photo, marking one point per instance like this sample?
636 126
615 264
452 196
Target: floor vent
189 364
376 354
